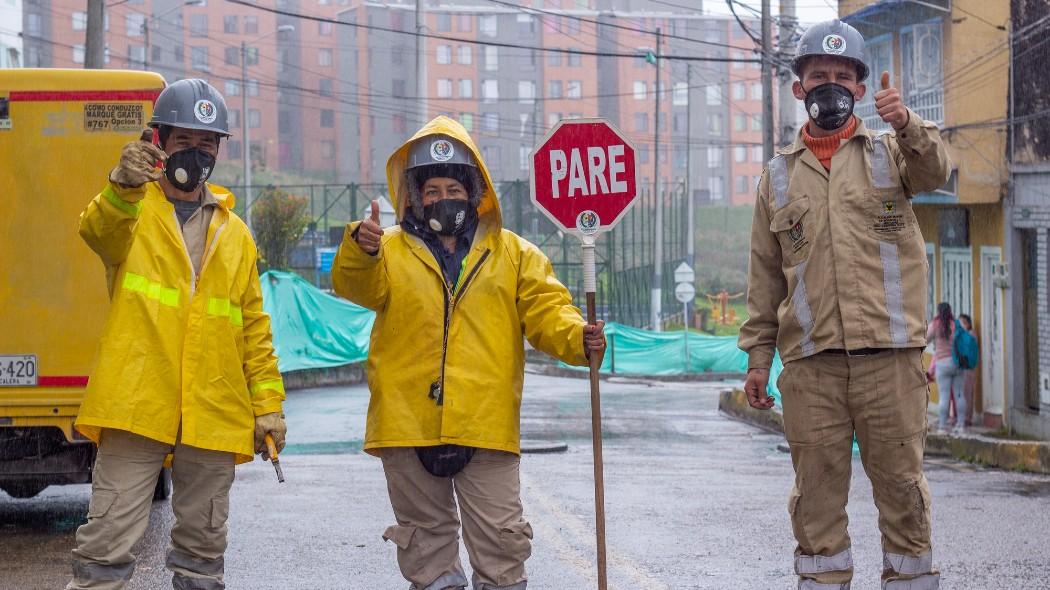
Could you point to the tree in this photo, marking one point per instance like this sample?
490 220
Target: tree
279 220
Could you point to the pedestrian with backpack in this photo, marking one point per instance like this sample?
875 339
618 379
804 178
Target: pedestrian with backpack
950 379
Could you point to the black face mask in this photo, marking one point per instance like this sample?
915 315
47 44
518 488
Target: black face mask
449 217
829 105
188 169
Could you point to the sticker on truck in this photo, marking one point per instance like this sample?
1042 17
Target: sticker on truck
18 370
113 116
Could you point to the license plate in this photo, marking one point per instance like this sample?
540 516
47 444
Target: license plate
18 370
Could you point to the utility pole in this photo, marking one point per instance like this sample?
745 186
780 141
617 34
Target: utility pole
246 150
656 295
421 63
690 204
767 83
145 39
95 36
786 108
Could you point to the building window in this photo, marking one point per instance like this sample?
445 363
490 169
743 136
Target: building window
464 55
680 94
232 88
739 122
490 90
641 121
643 155
156 54
444 88
324 57
233 149
229 23
254 118
554 89
739 91
79 21
554 59
252 88
756 122
574 89
34 24
639 90
488 25
491 154
133 24
327 118
490 123
552 119
491 58
251 56
233 118
199 57
251 25
78 54
444 22
715 157
741 184
715 124
137 56
756 91
575 59
466 88
681 123
526 24
523 157
739 154
324 87
327 149
324 29
713 95
738 55
232 56
756 153
467 121
198 25
526 91
444 54
716 186
681 156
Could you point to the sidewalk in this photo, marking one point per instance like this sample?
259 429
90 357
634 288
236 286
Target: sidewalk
976 446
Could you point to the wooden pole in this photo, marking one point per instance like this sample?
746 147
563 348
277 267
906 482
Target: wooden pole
589 287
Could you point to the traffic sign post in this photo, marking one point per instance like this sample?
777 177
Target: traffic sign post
685 292
584 179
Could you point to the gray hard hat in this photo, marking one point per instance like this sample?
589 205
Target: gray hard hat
834 38
439 149
191 104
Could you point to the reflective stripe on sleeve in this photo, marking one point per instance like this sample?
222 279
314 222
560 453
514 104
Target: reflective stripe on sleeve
166 295
274 384
891 284
778 180
223 308
881 176
131 209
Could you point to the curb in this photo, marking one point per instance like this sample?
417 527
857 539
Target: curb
1014 455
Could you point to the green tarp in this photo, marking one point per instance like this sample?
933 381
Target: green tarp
315 330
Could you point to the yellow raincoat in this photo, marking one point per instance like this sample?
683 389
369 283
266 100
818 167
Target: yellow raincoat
469 340
178 349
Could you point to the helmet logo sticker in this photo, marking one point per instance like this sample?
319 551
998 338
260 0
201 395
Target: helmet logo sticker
205 111
834 44
442 150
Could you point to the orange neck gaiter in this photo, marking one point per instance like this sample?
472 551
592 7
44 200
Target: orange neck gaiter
824 147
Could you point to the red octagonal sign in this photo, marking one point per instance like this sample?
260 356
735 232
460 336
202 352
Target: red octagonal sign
584 175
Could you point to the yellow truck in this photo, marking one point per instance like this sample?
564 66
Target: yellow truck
61 132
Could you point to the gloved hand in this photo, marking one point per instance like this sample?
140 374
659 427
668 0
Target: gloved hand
137 165
274 424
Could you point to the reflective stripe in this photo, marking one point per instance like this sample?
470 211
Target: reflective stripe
180 581
454 579
223 307
907 565
891 284
151 289
927 582
131 209
522 585
807 584
803 313
881 176
818 564
85 572
195 565
275 384
778 180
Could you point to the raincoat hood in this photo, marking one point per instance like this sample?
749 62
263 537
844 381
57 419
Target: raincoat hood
488 209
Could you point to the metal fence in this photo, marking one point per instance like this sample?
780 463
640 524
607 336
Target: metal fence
624 256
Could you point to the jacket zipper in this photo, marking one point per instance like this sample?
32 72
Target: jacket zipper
451 298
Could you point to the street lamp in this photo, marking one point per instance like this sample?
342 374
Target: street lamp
145 27
246 146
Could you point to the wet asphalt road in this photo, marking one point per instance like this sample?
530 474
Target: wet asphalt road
694 501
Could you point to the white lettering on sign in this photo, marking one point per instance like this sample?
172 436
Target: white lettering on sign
603 175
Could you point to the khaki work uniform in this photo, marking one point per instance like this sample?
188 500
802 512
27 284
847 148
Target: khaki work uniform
123 481
838 264
497 537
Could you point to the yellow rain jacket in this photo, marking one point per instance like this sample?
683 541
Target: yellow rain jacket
468 339
178 349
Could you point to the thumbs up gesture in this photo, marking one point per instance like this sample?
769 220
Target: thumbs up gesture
889 105
369 233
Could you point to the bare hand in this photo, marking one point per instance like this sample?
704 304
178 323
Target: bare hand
594 339
755 388
138 164
369 234
889 105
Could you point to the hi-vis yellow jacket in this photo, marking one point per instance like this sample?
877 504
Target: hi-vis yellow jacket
178 349
468 340
837 258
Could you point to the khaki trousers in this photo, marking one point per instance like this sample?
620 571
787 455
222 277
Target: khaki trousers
123 481
882 399
427 531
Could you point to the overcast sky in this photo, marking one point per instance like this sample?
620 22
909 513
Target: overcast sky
808 11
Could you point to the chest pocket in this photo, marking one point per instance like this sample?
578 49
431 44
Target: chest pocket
793 225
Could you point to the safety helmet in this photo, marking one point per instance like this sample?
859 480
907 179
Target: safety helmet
834 38
191 104
439 149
